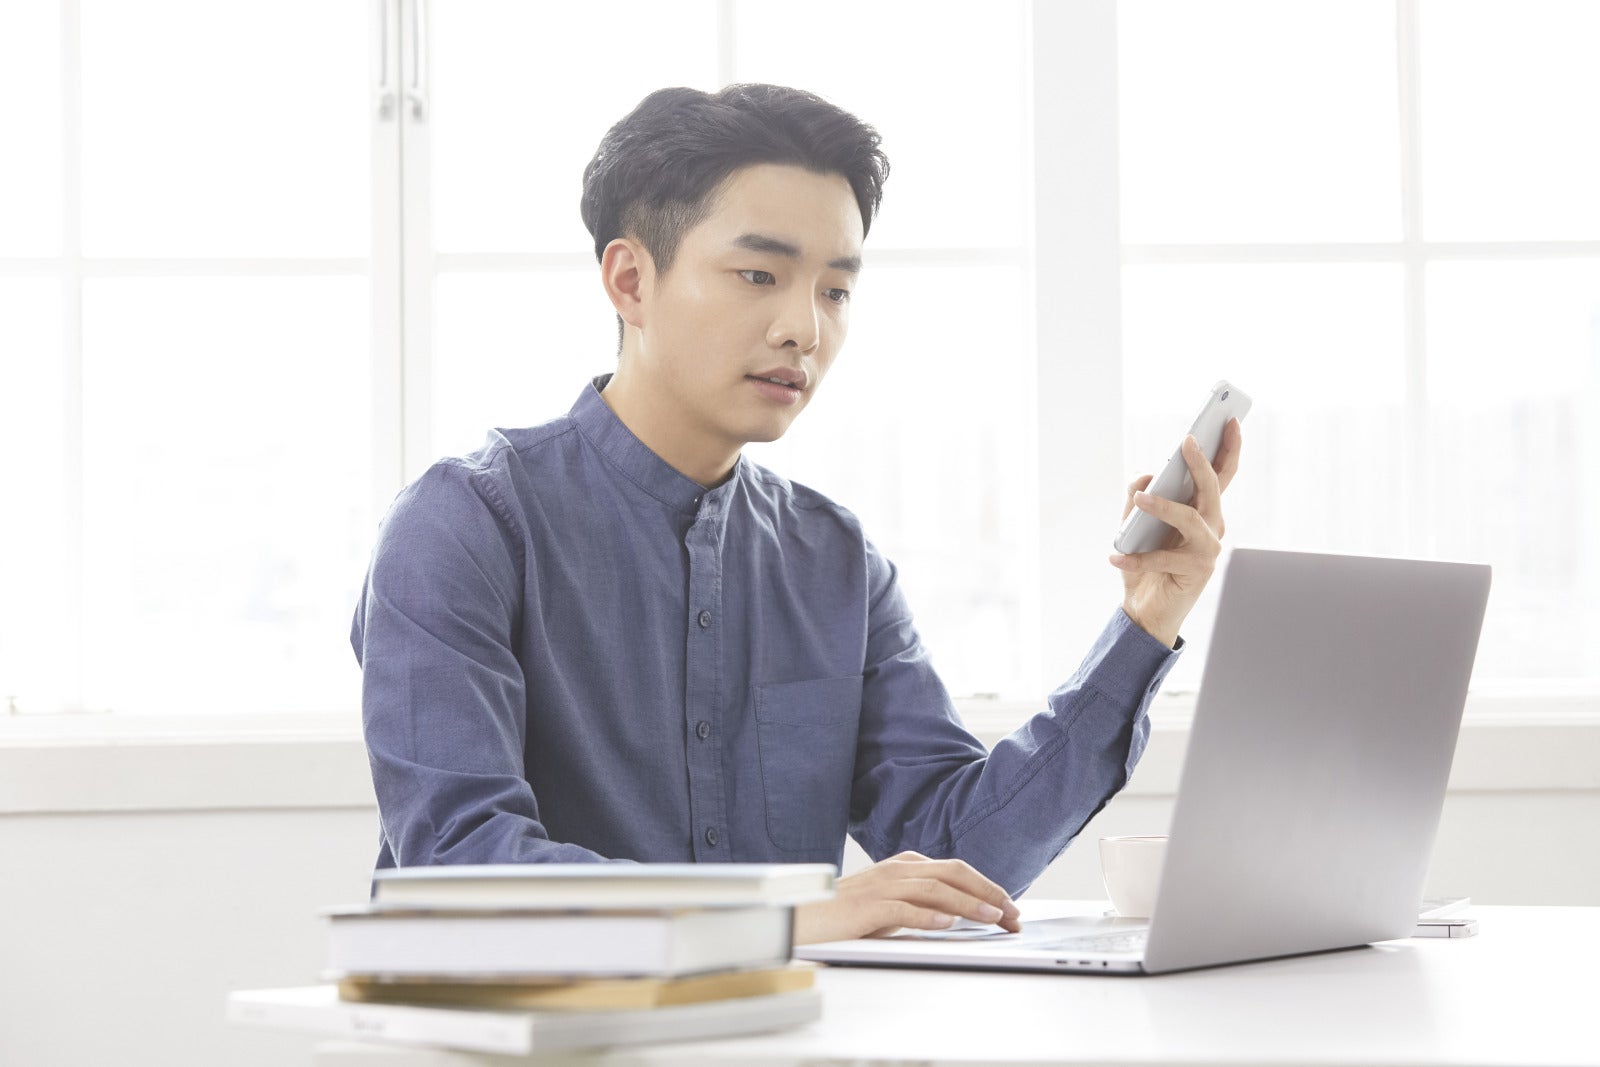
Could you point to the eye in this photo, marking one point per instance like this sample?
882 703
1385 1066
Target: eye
758 277
838 296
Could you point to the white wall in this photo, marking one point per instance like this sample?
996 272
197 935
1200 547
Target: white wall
140 882
122 932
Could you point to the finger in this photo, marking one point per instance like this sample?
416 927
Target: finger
970 880
1180 562
1195 555
952 885
886 916
1227 462
1138 485
1182 517
962 893
1207 493
933 895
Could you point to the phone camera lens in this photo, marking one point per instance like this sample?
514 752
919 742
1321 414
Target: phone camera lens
1225 393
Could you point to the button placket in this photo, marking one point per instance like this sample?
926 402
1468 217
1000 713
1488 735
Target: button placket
703 697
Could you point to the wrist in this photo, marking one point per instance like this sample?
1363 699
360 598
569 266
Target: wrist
1167 635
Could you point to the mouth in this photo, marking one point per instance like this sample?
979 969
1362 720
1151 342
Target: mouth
774 381
786 377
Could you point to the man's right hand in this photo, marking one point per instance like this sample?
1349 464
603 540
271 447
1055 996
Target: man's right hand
907 890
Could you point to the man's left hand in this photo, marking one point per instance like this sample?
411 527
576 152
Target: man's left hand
1160 587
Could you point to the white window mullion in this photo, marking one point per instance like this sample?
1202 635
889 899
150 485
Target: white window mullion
71 694
1417 485
1033 597
1077 313
418 263
388 301
727 38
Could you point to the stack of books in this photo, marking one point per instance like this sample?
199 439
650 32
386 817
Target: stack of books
546 957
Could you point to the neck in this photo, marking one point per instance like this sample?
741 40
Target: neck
651 417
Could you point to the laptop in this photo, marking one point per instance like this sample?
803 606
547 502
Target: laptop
1311 792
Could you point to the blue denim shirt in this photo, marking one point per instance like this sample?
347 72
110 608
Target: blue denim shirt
572 652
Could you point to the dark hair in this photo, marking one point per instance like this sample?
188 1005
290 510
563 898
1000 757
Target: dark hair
655 171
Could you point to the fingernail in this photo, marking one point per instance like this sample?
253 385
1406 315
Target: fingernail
989 913
944 921
1118 560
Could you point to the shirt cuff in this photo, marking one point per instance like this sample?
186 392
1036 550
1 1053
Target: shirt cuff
1126 663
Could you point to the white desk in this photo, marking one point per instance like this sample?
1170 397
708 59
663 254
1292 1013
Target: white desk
1524 992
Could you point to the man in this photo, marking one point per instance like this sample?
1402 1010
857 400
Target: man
612 637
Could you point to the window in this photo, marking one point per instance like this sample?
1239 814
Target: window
1379 218
186 376
248 290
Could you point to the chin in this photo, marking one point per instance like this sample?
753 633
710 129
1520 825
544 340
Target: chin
765 432
763 437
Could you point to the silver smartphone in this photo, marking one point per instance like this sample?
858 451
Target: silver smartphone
1143 532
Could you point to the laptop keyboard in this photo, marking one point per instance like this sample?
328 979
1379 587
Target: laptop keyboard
1132 941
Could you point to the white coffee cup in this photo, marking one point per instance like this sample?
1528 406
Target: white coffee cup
1131 868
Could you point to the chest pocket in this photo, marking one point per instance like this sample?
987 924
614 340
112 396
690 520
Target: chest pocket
806 733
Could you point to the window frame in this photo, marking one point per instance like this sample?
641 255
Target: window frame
1075 259
1414 254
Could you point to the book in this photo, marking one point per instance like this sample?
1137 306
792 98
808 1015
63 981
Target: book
389 941
319 1009
589 995
605 885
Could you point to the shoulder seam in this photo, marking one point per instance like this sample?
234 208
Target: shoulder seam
817 500
487 464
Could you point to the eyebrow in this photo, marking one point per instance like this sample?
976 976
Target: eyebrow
760 242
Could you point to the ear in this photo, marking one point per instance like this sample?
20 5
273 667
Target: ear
628 273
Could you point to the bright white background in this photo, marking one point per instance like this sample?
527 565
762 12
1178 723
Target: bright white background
238 310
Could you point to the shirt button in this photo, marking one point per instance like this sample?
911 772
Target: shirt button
705 619
702 729
711 836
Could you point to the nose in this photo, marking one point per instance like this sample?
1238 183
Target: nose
797 324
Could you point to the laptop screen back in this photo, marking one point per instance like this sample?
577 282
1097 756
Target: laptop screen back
1317 762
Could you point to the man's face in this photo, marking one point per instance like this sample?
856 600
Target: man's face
760 289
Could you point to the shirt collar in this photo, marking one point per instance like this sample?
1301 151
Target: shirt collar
602 429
